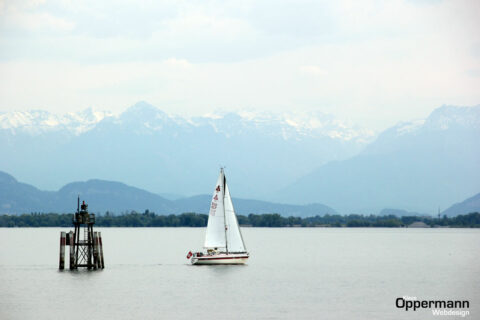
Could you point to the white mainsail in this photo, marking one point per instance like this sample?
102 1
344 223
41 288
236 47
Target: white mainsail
215 236
234 236
222 229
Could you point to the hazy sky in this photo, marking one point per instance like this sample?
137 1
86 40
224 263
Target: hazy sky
374 62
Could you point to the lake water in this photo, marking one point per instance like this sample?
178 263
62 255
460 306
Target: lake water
293 273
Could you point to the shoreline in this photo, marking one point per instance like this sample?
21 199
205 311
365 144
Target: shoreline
272 220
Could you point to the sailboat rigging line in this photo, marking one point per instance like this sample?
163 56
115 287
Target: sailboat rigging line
239 231
224 215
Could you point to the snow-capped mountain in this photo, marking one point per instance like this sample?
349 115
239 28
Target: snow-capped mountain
147 147
39 121
292 125
447 117
443 118
289 125
449 122
416 166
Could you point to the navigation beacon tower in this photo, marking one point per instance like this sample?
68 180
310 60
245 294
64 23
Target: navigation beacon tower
86 249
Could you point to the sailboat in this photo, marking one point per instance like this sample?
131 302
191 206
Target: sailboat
223 239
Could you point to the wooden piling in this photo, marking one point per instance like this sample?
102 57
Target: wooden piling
72 249
95 250
61 264
100 245
90 247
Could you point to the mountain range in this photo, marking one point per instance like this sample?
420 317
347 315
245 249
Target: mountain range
116 197
469 205
415 166
293 158
146 147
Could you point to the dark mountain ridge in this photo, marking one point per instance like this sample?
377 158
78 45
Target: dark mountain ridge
116 197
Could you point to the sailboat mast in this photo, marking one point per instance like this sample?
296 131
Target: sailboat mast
224 215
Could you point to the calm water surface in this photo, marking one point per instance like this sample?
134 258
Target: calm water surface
296 273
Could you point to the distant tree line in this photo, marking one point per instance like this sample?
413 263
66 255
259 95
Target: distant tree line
150 219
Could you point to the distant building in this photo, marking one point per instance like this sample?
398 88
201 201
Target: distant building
419 224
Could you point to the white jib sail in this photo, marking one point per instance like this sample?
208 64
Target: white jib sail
215 235
234 236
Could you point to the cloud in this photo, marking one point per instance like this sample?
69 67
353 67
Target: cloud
313 70
181 63
26 16
373 62
35 22
294 18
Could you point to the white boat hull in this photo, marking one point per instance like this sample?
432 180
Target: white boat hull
222 258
